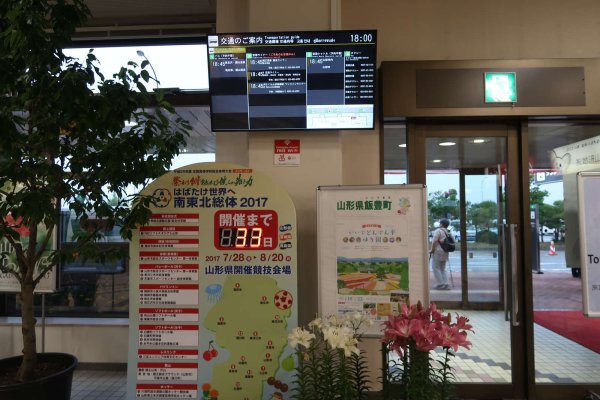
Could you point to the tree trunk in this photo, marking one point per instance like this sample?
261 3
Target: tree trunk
28 330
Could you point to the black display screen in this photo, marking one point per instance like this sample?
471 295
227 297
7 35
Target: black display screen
292 80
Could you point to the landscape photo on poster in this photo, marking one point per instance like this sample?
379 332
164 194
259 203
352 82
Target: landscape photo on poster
372 276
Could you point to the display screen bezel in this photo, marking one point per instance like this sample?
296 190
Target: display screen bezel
338 36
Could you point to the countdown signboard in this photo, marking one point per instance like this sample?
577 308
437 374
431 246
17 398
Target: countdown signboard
213 288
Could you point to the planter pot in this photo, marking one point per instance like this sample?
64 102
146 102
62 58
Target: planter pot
52 387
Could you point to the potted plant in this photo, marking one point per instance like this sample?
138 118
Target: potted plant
411 337
64 145
330 364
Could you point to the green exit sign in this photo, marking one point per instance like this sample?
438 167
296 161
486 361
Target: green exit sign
500 87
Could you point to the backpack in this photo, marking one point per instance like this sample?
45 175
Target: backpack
448 244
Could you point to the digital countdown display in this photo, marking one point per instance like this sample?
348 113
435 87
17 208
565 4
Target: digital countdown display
245 230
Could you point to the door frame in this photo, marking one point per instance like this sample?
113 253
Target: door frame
538 391
517 188
465 302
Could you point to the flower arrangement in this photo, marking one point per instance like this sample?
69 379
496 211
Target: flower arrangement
410 338
330 364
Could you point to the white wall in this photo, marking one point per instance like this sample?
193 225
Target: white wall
102 341
474 29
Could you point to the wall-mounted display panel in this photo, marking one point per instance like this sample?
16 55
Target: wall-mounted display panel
292 80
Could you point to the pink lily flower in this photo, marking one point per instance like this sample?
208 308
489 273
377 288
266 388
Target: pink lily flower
453 338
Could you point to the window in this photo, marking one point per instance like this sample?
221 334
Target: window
180 66
101 290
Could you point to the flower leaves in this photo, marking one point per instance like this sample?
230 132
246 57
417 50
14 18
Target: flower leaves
330 364
413 339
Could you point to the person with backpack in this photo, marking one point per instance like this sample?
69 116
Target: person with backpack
442 242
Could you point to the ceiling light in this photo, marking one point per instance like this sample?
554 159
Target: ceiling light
402 145
478 141
436 161
447 143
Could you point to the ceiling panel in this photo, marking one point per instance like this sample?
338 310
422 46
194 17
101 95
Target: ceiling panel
150 12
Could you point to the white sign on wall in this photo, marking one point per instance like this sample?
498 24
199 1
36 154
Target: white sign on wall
286 152
588 186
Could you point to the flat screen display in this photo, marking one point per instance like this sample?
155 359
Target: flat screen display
292 80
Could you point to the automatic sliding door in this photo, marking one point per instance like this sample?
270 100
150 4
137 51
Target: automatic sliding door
462 170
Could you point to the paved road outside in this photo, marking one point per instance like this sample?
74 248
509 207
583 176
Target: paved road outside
488 261
554 289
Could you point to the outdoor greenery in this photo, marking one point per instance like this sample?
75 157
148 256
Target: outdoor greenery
482 217
549 215
443 205
63 145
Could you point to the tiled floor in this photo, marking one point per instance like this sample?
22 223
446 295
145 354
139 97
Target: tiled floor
98 385
558 360
489 359
487 362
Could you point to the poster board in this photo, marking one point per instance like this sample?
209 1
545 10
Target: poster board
10 284
588 187
213 287
372 249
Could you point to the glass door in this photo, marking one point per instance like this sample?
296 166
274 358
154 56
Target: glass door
566 343
484 210
471 173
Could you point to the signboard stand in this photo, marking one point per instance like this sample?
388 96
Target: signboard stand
588 188
213 288
373 253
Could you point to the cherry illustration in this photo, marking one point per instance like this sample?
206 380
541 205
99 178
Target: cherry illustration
211 352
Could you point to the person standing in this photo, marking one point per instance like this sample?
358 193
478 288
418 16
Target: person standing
439 257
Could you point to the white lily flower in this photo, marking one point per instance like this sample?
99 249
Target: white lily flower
300 336
333 320
315 323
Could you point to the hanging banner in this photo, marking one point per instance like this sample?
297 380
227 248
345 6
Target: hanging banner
588 186
372 243
213 288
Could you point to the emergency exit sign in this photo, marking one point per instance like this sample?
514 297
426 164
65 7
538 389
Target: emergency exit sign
500 87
